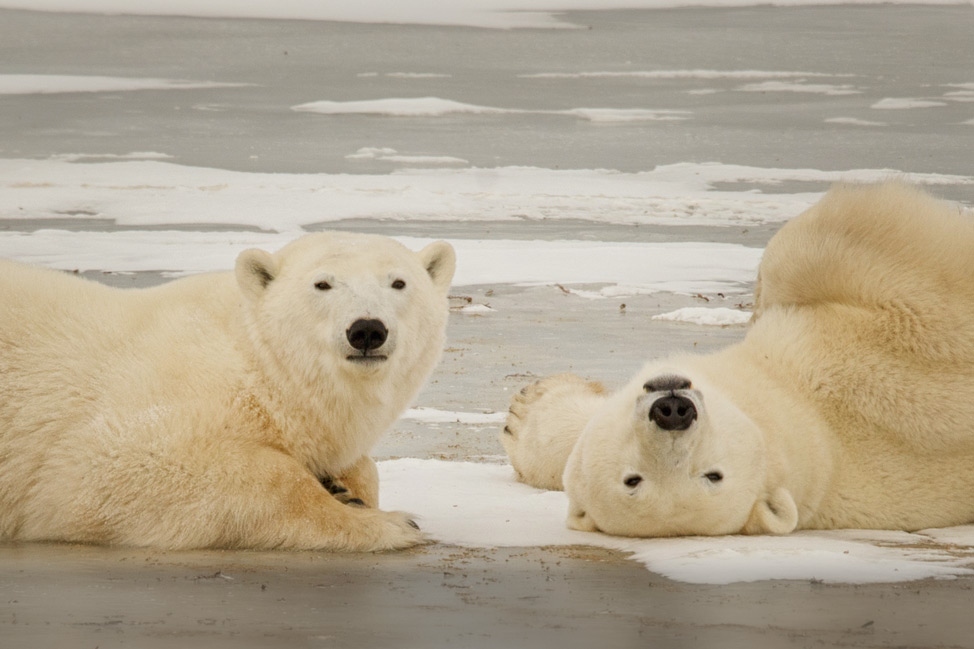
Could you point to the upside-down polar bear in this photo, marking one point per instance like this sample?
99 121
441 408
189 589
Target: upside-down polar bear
849 404
220 410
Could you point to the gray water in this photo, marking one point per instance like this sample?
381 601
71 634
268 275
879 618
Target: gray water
891 51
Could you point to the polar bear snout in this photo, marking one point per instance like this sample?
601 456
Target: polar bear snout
367 335
673 412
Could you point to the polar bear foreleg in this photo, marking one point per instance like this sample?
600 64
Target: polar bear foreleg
287 507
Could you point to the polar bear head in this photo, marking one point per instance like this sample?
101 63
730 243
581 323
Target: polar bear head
670 455
334 308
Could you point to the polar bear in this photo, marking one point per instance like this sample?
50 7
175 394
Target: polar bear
849 404
232 410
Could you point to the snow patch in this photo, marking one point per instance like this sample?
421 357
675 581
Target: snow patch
396 107
475 309
713 316
417 75
433 415
386 154
437 107
853 121
135 155
627 114
680 74
46 84
815 88
905 103
965 96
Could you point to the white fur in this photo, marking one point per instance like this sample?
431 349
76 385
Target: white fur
538 439
203 412
850 403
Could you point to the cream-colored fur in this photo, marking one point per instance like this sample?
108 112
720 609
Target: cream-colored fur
204 412
850 403
538 439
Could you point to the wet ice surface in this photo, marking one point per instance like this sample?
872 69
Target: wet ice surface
591 179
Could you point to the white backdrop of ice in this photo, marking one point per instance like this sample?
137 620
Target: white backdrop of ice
157 194
673 267
153 192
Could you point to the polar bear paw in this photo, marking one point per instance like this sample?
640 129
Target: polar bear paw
382 530
531 404
341 493
544 421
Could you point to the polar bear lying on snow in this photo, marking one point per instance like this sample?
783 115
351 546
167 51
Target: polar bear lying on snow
221 410
849 404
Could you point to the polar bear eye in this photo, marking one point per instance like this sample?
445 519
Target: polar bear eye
633 480
322 286
714 476
399 284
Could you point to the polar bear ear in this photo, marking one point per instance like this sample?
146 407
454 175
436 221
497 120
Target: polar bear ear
440 262
774 513
255 270
579 520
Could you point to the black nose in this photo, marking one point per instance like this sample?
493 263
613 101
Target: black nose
365 335
673 412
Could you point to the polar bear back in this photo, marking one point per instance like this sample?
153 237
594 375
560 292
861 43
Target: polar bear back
75 326
71 348
875 246
869 298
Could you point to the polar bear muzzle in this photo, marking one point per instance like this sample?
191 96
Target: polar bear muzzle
367 335
673 412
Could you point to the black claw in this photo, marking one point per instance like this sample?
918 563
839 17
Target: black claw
413 524
507 431
333 487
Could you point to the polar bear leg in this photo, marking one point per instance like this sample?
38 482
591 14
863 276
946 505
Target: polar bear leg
287 507
544 421
259 498
358 485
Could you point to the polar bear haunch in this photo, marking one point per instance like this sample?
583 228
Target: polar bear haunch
210 411
850 402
